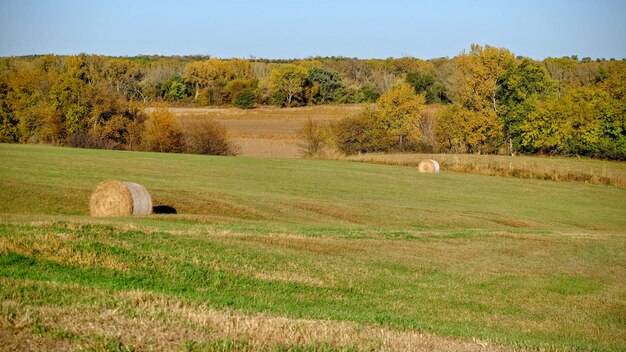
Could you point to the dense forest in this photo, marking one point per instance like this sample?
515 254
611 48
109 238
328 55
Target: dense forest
488 100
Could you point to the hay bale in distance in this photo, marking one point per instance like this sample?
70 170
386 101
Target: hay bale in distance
117 198
428 166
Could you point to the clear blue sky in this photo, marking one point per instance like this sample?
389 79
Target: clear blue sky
297 29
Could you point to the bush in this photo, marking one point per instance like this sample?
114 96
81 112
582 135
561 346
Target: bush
313 136
206 137
357 133
367 94
278 98
162 132
245 99
84 140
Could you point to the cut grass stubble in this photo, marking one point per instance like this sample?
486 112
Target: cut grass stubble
353 247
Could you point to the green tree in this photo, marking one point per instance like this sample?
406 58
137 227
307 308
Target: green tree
427 84
248 89
584 121
245 99
522 86
326 85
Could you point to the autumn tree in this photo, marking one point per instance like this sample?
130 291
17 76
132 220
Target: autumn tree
162 132
450 129
399 114
8 123
392 125
124 76
287 84
477 83
358 133
211 77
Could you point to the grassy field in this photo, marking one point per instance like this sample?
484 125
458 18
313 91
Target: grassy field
295 254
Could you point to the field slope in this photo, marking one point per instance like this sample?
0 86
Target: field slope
293 254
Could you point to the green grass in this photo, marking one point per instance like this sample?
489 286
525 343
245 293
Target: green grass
531 263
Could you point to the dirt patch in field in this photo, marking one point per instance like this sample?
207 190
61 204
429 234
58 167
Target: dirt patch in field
270 112
267 131
266 147
270 129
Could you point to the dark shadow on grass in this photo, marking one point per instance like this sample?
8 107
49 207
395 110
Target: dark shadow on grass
164 209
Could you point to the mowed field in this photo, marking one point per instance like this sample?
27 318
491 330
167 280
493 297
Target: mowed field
307 255
267 131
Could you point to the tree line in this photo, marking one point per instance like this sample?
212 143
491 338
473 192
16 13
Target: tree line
490 101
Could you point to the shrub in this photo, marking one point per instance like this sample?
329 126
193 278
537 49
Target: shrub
162 132
245 99
206 137
394 125
357 133
313 136
84 140
368 94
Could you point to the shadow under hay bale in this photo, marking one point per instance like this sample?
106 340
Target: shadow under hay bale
117 198
164 209
428 166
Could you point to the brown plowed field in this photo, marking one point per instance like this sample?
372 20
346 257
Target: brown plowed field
267 131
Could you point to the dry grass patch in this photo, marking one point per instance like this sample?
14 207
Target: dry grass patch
326 246
287 277
144 321
24 340
269 112
531 167
58 248
267 147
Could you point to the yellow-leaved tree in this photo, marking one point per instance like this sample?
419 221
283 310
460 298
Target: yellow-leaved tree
287 84
399 116
476 87
162 132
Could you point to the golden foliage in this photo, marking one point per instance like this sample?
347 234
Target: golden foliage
162 132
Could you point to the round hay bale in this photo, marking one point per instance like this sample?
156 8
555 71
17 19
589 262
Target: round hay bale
116 198
428 166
